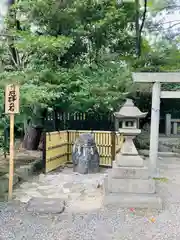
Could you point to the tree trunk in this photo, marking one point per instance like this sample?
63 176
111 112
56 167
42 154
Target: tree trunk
32 138
40 147
138 46
33 127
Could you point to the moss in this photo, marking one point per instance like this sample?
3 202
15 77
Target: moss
38 166
163 179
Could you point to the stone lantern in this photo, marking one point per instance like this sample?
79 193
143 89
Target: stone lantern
129 116
128 183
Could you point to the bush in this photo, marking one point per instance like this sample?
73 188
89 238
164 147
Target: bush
143 140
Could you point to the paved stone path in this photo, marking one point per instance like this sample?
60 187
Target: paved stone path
80 192
87 220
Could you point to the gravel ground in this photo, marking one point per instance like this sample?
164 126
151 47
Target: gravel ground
107 224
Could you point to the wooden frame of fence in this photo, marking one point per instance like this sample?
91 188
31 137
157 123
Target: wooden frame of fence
58 147
55 150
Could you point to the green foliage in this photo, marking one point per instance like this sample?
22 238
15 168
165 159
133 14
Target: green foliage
163 57
142 141
75 55
64 62
92 24
32 44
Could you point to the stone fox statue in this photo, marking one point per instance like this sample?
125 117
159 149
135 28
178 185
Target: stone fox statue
85 155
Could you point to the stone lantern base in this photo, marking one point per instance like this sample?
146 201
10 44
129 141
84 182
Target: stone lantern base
130 187
128 183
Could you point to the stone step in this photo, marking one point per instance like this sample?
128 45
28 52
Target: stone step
116 185
129 200
127 172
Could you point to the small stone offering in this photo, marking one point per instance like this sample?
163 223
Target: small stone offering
85 156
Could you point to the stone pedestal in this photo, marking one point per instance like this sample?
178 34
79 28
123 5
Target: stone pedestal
128 183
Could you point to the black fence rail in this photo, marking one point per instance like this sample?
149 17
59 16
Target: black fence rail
55 121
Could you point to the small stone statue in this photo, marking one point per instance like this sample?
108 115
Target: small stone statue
85 156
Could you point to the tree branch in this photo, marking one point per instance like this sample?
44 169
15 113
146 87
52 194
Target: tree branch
138 50
176 22
144 17
6 35
174 6
163 29
139 29
174 25
13 57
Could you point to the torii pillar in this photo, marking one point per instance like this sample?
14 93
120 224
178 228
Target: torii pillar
156 79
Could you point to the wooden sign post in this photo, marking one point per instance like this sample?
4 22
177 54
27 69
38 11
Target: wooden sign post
11 107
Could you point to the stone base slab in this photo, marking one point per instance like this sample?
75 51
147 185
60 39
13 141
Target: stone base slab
126 172
129 160
128 200
115 185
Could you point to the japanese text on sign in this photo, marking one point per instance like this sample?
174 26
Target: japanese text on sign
12 99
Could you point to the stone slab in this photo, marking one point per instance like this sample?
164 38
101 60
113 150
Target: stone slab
129 160
126 172
24 171
46 205
125 200
116 185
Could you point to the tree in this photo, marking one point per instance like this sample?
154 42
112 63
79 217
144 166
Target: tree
63 55
75 55
139 27
161 19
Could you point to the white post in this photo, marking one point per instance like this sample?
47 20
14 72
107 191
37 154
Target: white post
168 125
154 132
116 124
175 128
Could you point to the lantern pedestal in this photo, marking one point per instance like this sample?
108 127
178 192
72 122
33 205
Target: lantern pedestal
128 183
129 200
128 156
129 187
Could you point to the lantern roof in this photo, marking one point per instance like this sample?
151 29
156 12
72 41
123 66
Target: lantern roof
129 110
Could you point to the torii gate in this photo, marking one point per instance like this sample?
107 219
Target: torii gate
156 79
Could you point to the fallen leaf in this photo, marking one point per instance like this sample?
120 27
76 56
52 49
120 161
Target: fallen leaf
152 219
132 209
